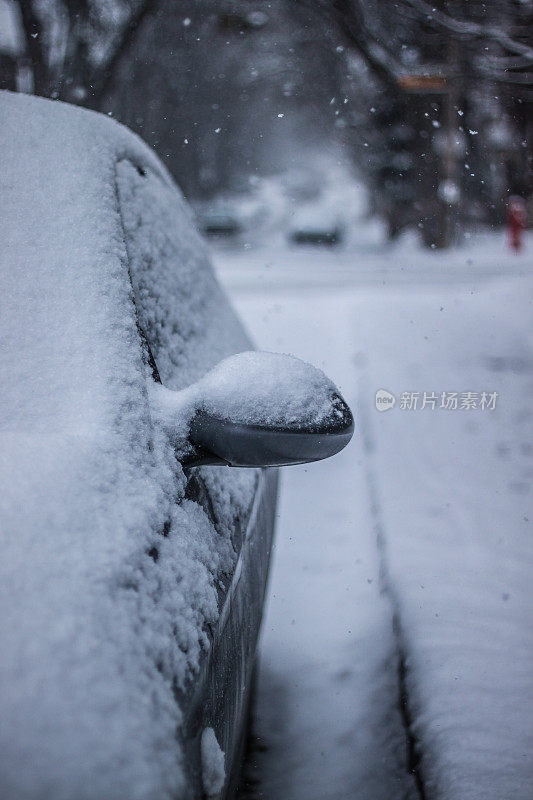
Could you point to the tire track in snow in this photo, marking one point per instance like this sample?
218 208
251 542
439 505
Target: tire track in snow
327 718
413 745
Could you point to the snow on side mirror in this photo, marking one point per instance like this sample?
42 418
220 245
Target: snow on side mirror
261 409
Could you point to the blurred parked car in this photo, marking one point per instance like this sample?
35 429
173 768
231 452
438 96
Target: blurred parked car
218 223
316 225
132 575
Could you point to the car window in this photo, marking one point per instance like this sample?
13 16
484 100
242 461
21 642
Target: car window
188 322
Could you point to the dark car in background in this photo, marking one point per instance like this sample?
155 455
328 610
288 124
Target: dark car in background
218 224
316 224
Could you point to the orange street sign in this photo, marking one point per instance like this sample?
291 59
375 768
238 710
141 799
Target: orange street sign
423 84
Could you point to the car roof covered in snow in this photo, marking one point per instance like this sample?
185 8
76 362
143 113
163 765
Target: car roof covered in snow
63 258
95 632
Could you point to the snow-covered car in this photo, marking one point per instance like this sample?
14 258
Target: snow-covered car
218 223
132 575
316 225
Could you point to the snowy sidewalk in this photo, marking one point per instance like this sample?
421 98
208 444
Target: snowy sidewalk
446 495
453 516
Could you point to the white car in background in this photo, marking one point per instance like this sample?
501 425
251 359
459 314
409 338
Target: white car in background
315 224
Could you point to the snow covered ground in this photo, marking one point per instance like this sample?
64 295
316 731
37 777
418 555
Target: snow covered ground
405 563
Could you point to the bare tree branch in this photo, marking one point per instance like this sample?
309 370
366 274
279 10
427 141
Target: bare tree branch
102 77
508 62
350 20
79 77
469 29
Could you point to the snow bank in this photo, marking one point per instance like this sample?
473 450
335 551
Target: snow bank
452 493
106 583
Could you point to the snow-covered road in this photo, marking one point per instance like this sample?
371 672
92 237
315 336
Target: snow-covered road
430 504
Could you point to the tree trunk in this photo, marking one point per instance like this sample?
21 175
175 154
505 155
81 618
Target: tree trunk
33 34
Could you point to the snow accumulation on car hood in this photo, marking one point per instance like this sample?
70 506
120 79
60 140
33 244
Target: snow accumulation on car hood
96 633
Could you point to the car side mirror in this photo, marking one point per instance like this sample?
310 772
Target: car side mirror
259 409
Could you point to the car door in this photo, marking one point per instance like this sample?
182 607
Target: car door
187 326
